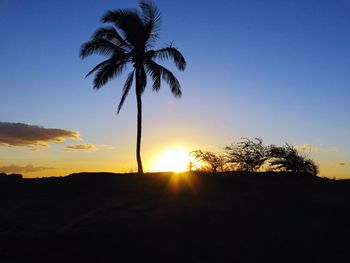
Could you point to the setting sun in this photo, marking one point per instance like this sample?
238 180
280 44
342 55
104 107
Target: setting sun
174 160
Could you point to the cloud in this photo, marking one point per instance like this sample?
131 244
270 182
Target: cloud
334 150
12 168
32 136
306 148
105 147
342 164
80 147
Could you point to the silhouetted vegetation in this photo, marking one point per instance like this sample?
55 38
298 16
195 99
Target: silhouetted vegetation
247 155
253 156
210 160
130 40
287 158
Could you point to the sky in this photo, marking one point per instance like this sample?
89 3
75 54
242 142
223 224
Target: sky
274 69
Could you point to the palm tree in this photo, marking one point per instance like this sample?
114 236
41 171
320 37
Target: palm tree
129 41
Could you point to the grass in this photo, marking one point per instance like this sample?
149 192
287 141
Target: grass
198 217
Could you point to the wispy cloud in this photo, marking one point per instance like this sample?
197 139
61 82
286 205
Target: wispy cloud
32 136
105 147
80 147
12 168
333 150
306 148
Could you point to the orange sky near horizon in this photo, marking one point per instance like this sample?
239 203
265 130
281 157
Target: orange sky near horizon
54 161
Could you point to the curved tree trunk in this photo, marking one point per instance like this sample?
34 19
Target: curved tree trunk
139 124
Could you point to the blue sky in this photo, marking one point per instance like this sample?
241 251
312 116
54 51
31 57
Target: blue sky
279 70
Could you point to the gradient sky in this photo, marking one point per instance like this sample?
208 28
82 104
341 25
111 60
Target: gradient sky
275 69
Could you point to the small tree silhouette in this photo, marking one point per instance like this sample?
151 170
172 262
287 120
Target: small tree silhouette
214 160
247 155
129 41
287 158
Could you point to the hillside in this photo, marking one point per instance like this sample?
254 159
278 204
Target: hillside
102 217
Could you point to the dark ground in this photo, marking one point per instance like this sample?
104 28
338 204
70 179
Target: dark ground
169 218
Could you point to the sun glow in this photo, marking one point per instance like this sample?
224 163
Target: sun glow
174 160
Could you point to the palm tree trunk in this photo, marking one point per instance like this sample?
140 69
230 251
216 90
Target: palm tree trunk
139 124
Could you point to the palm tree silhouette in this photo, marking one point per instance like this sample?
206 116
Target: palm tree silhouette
130 41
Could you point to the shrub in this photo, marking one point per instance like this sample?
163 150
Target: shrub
211 160
287 158
247 155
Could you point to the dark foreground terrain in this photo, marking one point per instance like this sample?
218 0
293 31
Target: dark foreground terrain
175 218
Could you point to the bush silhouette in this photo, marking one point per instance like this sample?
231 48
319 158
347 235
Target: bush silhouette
287 158
247 155
212 160
253 156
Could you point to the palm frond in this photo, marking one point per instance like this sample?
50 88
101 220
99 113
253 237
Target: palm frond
170 52
126 89
154 71
99 46
126 40
168 77
107 72
111 34
97 67
129 22
150 18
